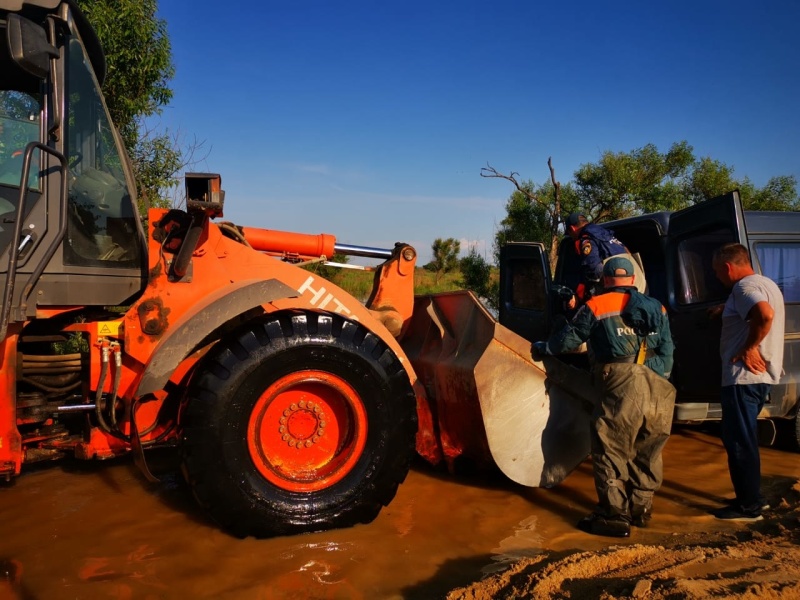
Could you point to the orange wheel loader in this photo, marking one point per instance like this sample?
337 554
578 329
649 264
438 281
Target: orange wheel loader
291 404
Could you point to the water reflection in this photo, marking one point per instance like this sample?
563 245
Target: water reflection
100 531
525 543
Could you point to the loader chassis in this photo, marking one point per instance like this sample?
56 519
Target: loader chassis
291 404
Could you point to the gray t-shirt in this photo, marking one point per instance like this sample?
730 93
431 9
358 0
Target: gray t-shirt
746 293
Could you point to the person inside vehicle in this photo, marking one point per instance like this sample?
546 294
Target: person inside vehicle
595 244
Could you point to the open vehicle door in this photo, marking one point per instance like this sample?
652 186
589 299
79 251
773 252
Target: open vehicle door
694 234
525 290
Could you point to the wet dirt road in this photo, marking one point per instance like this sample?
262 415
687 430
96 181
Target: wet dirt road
100 531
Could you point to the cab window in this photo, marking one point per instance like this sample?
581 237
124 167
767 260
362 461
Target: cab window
19 125
524 293
102 229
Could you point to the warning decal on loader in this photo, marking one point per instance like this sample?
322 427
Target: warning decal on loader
108 328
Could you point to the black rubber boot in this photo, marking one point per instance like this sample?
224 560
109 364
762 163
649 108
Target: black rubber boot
640 516
605 526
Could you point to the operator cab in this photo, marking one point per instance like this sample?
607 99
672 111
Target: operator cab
70 233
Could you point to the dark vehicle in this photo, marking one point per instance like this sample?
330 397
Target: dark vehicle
675 251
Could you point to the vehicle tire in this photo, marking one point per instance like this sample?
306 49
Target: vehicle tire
299 422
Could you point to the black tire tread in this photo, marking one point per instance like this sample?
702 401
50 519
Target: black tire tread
238 504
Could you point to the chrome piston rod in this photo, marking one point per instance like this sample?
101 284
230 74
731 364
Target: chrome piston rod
351 250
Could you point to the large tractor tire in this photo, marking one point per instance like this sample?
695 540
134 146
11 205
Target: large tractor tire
297 423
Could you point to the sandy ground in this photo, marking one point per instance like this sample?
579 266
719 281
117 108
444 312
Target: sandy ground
752 561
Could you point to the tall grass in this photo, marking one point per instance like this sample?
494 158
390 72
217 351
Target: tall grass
359 283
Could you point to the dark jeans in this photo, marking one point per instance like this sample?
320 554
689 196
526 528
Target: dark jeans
740 407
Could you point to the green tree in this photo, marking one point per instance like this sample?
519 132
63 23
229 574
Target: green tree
140 68
525 220
445 256
476 275
709 178
623 184
644 180
780 193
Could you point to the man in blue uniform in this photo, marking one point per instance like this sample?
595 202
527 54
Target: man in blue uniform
630 349
595 244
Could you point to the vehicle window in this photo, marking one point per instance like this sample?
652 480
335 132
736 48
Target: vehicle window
524 294
101 229
780 261
19 125
696 280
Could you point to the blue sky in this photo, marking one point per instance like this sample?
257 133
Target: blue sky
371 120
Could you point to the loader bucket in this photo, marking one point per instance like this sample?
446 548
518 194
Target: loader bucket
491 402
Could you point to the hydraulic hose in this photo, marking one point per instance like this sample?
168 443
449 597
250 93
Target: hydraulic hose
98 401
180 265
61 373
50 389
112 406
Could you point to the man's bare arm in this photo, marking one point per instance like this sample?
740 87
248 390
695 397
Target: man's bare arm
760 321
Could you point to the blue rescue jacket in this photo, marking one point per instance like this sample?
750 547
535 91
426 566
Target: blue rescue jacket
595 245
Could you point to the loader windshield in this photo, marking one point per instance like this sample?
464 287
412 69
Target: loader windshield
102 226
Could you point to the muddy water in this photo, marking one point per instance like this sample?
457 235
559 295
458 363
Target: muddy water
100 531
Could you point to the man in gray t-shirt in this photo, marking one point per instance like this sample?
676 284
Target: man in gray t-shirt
746 294
751 348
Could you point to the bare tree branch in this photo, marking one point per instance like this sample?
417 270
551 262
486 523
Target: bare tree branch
490 171
552 209
555 216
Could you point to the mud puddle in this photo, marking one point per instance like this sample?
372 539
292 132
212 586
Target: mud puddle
98 531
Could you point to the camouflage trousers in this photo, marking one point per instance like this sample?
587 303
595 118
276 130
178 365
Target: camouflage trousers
632 423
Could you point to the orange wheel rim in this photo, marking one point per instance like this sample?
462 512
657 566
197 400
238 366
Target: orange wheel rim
307 431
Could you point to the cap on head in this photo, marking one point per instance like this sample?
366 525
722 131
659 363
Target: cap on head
575 219
618 266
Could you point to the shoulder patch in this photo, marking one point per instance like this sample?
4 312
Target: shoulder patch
586 247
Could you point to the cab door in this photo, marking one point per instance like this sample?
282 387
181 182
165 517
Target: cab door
525 290
693 235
